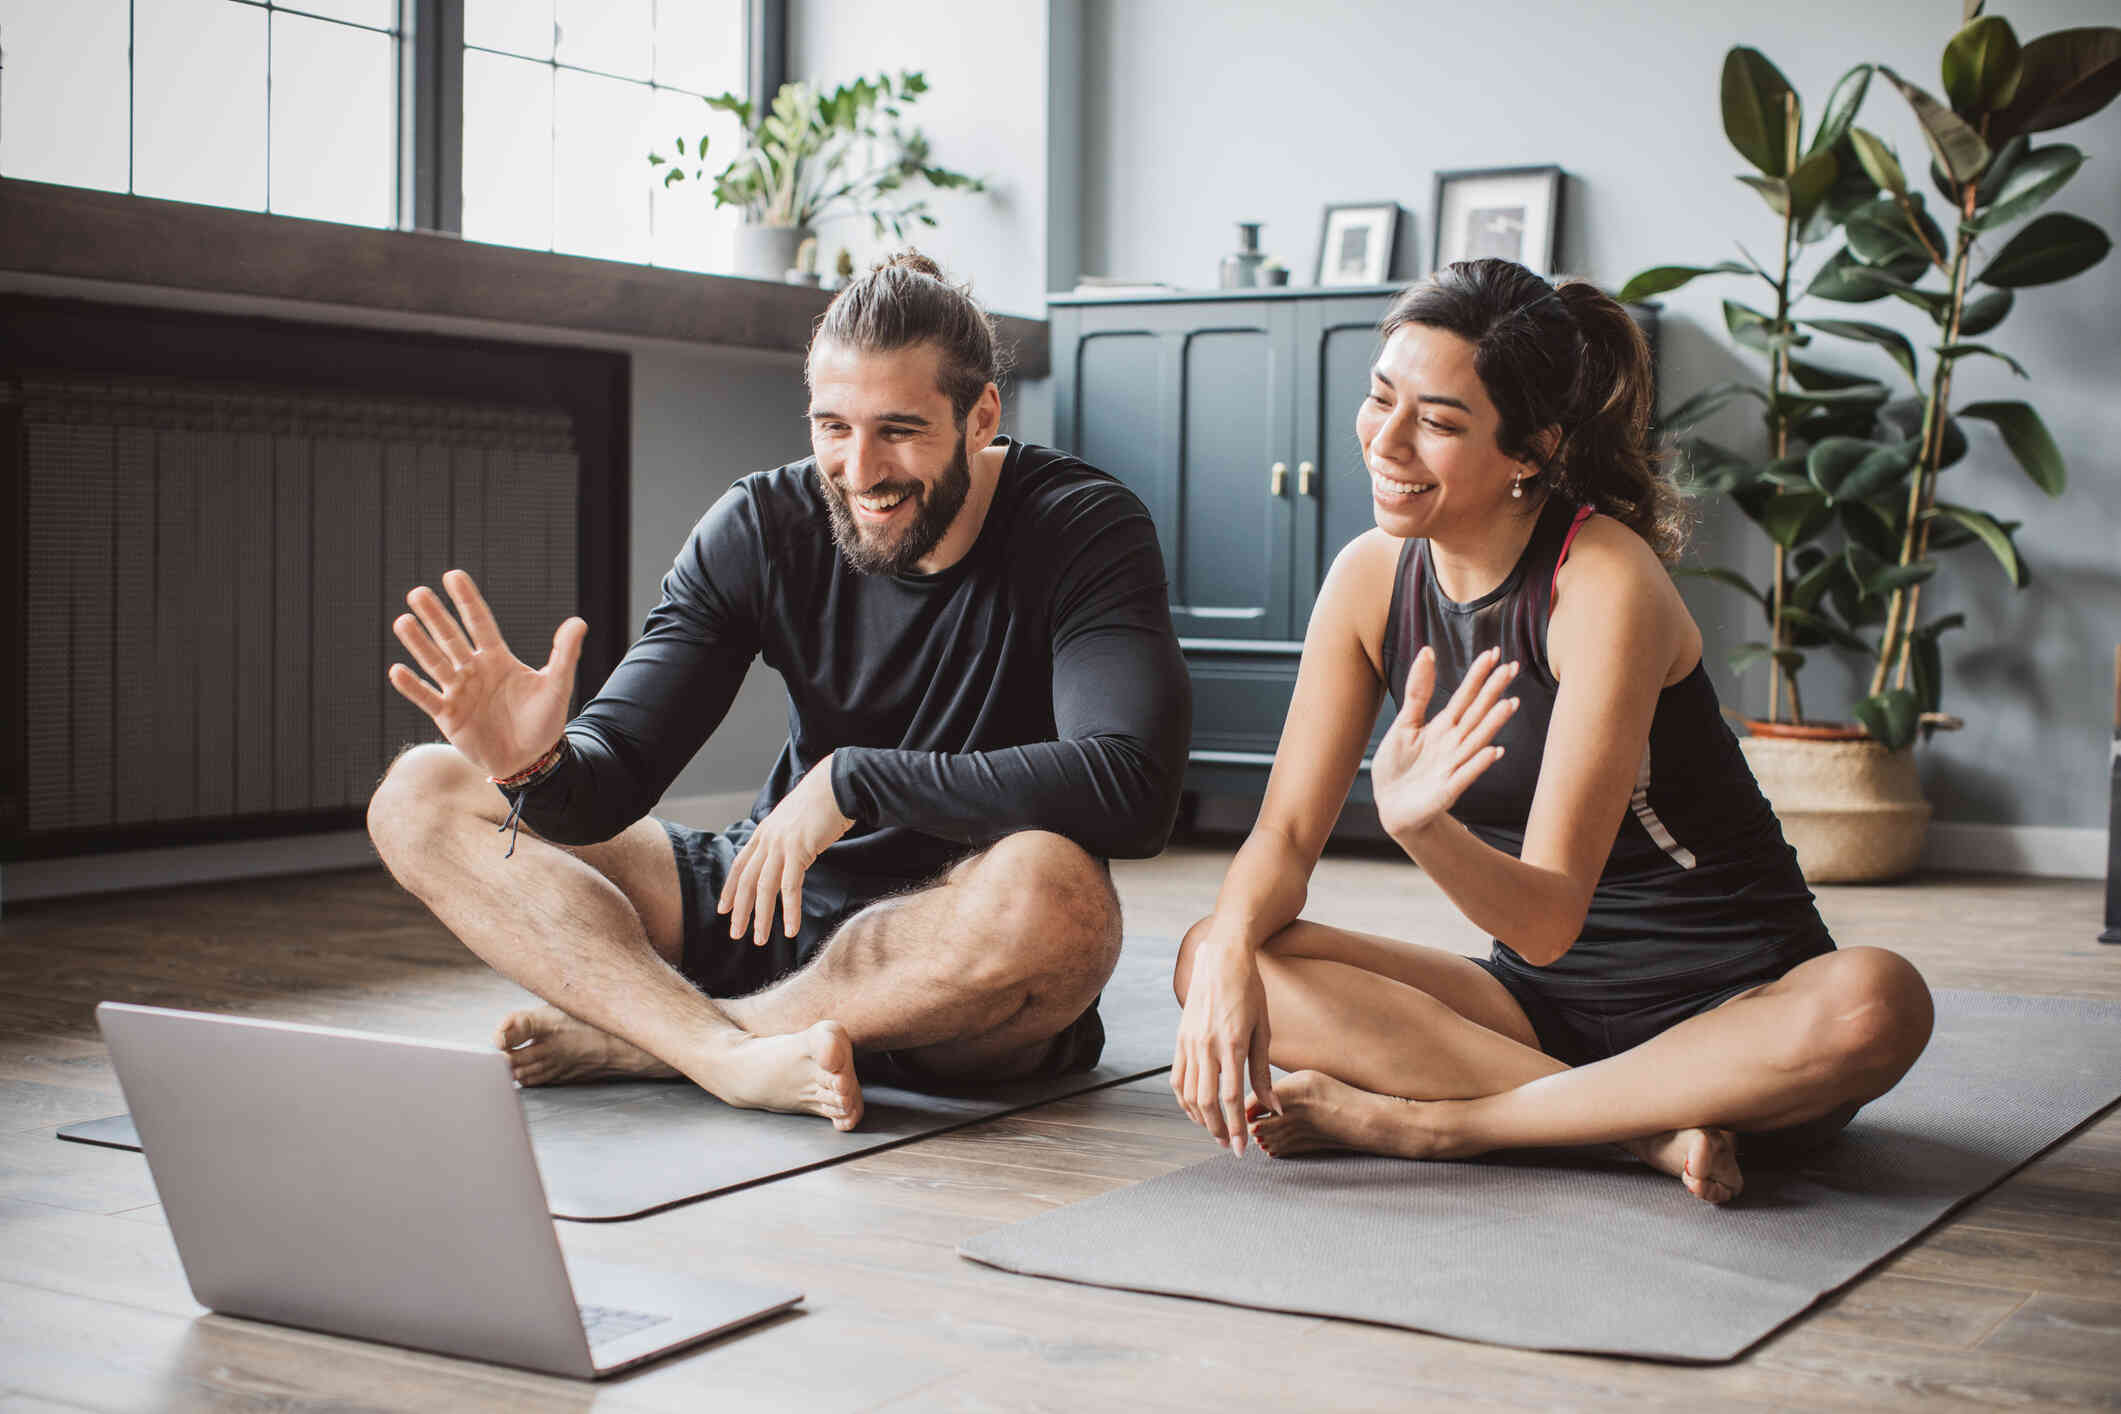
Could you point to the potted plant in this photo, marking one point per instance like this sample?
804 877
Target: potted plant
812 155
1848 495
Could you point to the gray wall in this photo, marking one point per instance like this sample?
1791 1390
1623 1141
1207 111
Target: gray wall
1198 114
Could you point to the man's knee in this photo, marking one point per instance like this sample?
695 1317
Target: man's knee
1046 902
419 790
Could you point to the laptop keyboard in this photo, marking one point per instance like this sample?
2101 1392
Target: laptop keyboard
606 1323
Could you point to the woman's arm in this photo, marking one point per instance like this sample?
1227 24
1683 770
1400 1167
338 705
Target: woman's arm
1224 1032
1617 636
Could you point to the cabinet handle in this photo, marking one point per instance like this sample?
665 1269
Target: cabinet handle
1278 480
1303 478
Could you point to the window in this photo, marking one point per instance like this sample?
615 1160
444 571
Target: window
294 107
289 108
563 101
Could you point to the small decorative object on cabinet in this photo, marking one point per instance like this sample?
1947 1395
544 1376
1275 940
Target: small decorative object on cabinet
1355 244
1510 212
1240 269
1233 417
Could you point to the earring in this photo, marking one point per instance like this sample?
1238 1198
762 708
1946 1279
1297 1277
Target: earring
1517 489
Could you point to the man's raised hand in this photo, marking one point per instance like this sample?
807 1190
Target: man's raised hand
500 712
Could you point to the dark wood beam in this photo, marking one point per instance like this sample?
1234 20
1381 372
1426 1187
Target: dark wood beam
58 230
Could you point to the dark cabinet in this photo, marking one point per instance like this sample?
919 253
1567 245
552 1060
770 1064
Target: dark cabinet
1233 417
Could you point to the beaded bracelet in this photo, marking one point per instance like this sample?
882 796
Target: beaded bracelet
534 772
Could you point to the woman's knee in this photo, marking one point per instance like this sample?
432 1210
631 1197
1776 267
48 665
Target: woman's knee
1874 1016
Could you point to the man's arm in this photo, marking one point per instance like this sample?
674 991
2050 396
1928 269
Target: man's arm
668 693
1122 710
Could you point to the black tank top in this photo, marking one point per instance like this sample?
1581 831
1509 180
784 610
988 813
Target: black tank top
1699 874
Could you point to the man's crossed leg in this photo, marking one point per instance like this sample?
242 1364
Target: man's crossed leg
980 974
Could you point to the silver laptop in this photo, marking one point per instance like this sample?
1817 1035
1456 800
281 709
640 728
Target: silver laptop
384 1188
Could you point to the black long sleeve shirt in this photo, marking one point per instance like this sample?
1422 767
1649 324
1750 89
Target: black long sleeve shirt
1035 684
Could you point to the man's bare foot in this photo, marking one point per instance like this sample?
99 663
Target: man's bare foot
807 1072
1705 1160
1319 1112
546 1046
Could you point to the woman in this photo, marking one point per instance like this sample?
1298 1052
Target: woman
1559 766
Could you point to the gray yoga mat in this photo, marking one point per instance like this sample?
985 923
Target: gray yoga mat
610 1151
1583 1252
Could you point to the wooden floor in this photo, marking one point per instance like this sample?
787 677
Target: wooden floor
2015 1303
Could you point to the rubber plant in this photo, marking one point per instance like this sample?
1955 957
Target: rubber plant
1990 175
1811 189
811 155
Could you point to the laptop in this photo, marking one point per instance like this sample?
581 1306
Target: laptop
383 1188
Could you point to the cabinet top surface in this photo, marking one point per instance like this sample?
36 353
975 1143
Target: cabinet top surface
1276 292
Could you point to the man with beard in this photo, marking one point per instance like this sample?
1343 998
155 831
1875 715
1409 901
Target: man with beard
986 701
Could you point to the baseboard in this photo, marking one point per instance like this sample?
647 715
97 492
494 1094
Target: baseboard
132 869
2037 851
128 870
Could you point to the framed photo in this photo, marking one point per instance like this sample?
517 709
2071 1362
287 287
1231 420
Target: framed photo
1355 244
1510 212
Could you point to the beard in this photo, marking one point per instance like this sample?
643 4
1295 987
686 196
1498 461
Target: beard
935 506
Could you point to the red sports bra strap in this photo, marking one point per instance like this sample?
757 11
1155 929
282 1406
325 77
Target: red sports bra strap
1583 513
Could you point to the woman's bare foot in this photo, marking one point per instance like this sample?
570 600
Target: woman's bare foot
1319 1112
546 1046
807 1072
1705 1160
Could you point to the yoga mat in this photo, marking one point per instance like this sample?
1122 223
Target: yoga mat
1583 1252
618 1150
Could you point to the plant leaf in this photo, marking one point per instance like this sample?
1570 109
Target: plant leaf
1755 114
2053 247
1870 529
1748 325
1890 717
2067 75
1708 400
1841 107
1984 312
1723 576
1959 351
1775 191
1661 279
1892 577
1823 626
2038 176
1880 233
1981 67
1793 517
1850 468
1878 160
1989 533
2028 438
1747 654
1958 149
1891 340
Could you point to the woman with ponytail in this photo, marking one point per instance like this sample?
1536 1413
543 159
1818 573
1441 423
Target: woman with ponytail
1559 766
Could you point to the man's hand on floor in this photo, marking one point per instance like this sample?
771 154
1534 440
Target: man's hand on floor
773 861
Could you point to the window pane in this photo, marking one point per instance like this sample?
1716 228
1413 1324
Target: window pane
517 26
382 14
610 36
602 133
690 232
507 151
699 44
334 122
199 102
62 107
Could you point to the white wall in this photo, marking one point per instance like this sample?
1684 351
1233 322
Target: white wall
1198 114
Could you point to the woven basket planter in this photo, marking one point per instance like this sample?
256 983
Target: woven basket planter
1851 809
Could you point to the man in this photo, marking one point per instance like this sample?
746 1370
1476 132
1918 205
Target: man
985 701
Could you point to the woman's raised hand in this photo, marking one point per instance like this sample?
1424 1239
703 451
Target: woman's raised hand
499 711
1422 767
1221 1037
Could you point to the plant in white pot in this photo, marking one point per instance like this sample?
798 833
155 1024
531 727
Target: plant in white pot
1855 515
810 156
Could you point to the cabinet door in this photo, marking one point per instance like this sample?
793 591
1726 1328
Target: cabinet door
1335 344
1188 403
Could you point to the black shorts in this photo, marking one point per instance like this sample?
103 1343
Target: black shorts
722 966
1581 1022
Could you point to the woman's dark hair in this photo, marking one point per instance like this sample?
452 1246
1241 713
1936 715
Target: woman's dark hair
1563 356
906 300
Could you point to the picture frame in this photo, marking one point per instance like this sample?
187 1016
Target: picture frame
1511 212
1356 242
